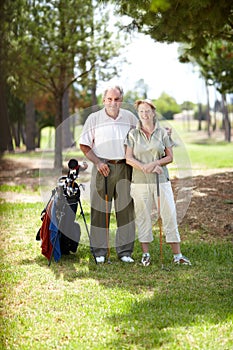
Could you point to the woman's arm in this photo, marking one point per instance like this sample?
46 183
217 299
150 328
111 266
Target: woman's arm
163 161
145 168
168 157
150 167
131 160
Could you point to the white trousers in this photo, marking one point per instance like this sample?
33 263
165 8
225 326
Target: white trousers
145 197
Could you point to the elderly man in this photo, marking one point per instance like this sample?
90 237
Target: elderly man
102 142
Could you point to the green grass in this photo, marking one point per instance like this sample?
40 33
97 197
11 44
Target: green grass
48 136
23 188
13 188
211 156
195 149
75 304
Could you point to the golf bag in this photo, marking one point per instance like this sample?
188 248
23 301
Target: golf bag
60 233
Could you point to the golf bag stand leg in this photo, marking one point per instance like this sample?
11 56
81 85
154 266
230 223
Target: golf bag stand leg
84 219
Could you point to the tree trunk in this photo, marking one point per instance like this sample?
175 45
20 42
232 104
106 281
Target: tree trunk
208 117
30 125
38 137
16 133
215 121
5 133
66 132
199 116
93 95
22 134
58 134
227 124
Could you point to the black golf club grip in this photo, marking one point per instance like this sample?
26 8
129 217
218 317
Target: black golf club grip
157 183
106 184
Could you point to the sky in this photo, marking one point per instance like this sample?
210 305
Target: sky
161 70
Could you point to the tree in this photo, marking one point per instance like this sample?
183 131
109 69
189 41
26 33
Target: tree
194 22
6 16
198 24
5 134
52 47
30 125
16 113
46 43
215 64
104 55
139 92
167 106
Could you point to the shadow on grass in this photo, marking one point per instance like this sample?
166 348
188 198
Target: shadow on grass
205 257
179 299
157 303
185 303
165 301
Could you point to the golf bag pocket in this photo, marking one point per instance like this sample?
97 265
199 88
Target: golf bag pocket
59 233
69 242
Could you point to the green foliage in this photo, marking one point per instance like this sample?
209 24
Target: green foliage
188 105
160 5
47 39
167 106
183 21
215 63
51 46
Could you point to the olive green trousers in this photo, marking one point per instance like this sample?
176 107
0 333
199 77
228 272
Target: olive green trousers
117 190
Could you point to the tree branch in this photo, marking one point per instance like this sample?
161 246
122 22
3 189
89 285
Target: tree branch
79 76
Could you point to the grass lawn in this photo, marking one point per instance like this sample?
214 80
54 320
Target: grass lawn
200 151
75 304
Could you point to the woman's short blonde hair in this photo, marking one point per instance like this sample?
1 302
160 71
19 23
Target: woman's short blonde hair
149 102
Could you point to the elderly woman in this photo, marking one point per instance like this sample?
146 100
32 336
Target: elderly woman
148 151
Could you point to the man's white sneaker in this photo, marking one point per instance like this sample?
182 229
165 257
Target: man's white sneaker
127 259
100 259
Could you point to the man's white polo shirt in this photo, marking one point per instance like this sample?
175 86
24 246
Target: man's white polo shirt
106 135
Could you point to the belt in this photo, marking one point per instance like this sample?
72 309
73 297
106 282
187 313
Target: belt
116 161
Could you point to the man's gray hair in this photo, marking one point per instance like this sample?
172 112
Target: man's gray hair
119 88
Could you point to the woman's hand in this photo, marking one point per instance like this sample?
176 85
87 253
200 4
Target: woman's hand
157 169
149 167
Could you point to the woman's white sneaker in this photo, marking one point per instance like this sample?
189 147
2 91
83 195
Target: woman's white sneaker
182 261
145 259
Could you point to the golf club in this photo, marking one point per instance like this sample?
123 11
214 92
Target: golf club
160 225
107 218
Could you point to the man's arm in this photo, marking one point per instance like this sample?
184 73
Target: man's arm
100 165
